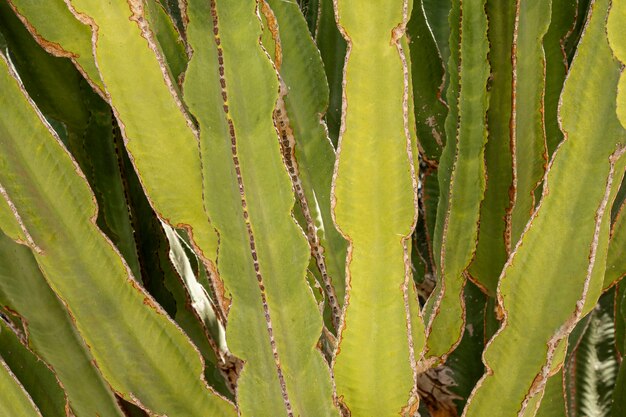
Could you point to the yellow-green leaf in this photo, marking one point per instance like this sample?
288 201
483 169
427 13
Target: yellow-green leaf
374 199
565 240
57 209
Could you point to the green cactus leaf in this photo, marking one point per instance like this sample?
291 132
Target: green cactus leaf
562 23
38 380
375 184
461 174
332 47
158 133
428 77
494 240
617 39
306 146
60 33
273 322
534 271
14 400
528 129
22 281
31 156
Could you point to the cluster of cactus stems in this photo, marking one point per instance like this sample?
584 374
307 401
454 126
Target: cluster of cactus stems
271 208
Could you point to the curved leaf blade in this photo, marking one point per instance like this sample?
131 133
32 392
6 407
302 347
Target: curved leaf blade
157 132
60 33
14 400
494 240
562 23
528 131
273 322
21 281
617 39
375 185
34 375
461 173
427 74
535 270
309 154
332 47
77 259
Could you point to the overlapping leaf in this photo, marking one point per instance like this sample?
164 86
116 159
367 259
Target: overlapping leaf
52 204
461 173
534 320
273 323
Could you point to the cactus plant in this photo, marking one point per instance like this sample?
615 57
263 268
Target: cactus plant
317 208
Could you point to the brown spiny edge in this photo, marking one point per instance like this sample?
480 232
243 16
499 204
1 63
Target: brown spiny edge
287 144
244 205
272 24
29 239
184 16
339 400
52 48
508 217
396 35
